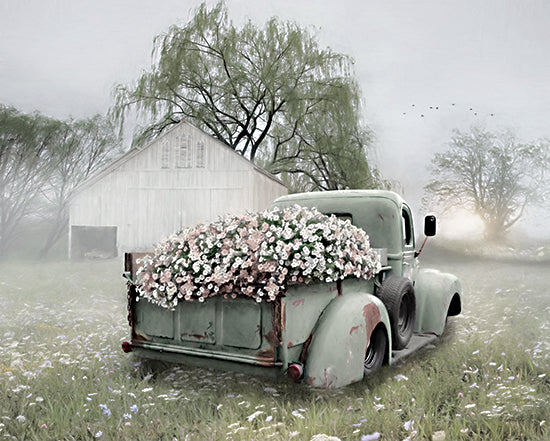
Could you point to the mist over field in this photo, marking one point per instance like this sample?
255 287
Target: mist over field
425 69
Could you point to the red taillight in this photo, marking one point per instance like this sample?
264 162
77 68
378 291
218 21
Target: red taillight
295 371
126 346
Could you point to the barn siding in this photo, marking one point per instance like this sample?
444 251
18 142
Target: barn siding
148 202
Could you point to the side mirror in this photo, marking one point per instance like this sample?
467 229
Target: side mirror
429 230
429 226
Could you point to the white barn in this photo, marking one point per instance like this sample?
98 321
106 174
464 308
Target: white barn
182 178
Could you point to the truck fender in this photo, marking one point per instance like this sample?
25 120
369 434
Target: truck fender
438 295
340 339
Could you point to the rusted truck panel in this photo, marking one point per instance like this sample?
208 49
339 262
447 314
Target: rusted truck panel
325 334
340 339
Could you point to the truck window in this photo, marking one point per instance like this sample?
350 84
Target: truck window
407 228
343 216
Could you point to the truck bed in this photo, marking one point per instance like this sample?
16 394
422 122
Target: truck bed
226 329
230 330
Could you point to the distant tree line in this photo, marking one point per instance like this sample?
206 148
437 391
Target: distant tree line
42 161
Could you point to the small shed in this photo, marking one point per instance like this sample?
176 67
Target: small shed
182 178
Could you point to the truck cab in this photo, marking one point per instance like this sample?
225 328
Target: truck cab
384 215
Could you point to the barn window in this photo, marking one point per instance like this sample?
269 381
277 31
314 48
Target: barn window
165 154
184 151
200 155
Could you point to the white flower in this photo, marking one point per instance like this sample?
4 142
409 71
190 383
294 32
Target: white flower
254 415
372 437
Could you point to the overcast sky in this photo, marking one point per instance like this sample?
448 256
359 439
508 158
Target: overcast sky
62 57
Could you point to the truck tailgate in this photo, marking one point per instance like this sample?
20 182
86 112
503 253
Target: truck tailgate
239 329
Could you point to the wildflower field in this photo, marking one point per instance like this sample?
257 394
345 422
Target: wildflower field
63 375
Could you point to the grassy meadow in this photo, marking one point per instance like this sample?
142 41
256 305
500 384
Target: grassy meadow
63 375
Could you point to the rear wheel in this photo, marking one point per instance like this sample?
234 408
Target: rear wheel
376 351
397 294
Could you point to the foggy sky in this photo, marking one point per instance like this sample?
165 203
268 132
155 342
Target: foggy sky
62 57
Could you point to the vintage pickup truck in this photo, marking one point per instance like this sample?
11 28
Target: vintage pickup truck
325 334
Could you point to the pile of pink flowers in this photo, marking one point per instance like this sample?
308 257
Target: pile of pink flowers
256 255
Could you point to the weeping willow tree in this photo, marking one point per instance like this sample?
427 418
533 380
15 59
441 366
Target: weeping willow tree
270 93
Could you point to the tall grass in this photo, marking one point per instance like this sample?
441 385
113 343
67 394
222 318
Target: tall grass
64 377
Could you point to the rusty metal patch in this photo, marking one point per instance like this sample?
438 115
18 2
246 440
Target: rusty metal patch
371 313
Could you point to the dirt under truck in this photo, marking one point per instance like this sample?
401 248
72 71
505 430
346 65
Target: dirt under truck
325 334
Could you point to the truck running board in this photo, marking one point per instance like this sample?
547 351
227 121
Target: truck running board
418 341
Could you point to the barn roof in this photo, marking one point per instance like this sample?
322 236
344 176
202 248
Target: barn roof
136 150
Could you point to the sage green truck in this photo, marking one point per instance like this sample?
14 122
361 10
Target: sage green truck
325 334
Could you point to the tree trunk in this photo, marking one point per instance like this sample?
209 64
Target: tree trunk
57 230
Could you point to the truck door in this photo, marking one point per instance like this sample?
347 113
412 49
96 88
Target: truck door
408 242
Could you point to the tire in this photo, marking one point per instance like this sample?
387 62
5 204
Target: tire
376 351
397 294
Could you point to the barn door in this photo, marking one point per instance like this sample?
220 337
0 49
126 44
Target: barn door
92 242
